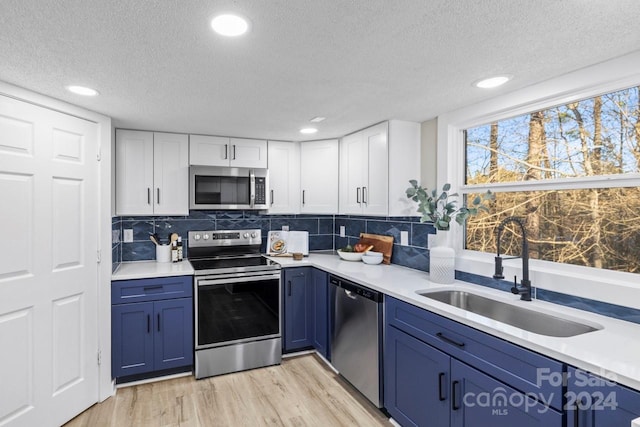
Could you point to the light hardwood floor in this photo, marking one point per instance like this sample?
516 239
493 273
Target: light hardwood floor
302 391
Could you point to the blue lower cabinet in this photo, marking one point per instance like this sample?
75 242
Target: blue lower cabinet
416 381
320 311
593 401
173 341
478 400
306 310
151 329
132 339
297 309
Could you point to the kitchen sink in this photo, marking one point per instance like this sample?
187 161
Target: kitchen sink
523 318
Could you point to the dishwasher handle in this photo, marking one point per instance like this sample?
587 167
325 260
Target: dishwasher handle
356 290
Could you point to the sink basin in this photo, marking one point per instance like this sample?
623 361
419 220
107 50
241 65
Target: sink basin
523 318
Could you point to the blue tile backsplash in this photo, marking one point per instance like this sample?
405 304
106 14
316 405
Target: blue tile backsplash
324 234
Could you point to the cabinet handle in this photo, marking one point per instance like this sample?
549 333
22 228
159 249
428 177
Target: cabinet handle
152 288
234 152
445 338
454 396
148 323
148 195
289 285
158 191
226 151
303 197
358 195
158 322
271 197
364 195
440 386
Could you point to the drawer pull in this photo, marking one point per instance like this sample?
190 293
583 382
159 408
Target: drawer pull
445 338
440 386
152 288
158 322
148 323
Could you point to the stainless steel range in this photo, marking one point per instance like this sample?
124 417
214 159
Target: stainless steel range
237 302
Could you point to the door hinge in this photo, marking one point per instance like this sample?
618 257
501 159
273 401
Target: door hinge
98 256
98 155
99 357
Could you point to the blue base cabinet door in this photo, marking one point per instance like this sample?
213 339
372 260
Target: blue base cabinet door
297 309
478 400
173 343
320 311
416 381
132 337
593 401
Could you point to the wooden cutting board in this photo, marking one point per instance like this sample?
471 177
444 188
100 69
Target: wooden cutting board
380 243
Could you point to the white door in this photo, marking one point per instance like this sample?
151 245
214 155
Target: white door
353 162
248 153
207 150
134 172
48 269
376 192
319 176
284 177
171 174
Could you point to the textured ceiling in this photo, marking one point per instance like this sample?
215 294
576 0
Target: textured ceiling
158 66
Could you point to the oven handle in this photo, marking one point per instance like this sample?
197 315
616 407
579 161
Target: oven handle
222 281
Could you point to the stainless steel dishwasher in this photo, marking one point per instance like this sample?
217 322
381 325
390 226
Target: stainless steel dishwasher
355 338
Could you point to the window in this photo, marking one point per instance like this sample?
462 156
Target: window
571 171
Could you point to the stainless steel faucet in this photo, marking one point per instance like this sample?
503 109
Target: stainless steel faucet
524 290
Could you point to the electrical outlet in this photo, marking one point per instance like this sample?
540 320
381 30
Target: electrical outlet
285 228
128 235
404 238
343 231
430 240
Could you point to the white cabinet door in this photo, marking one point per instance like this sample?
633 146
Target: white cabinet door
134 172
319 176
171 174
404 165
284 177
207 150
353 159
375 194
247 153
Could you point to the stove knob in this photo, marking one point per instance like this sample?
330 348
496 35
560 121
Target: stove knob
206 236
253 235
245 235
196 237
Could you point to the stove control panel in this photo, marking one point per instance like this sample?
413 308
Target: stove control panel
212 238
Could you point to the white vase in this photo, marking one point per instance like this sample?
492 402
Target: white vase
442 260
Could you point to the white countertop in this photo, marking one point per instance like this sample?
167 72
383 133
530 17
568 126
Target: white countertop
613 351
151 269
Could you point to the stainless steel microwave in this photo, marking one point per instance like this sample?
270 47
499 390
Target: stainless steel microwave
213 187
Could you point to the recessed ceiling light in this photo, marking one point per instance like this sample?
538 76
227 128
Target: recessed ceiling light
317 119
492 82
229 25
308 130
81 90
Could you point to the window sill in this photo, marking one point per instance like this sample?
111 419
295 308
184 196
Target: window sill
613 287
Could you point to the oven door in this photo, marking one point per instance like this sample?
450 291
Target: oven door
236 308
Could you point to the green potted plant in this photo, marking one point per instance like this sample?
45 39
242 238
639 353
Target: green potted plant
441 208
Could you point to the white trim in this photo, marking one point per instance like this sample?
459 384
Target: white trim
106 385
602 285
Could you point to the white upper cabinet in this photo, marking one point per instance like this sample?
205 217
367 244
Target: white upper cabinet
319 176
364 172
152 173
375 164
284 177
205 150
